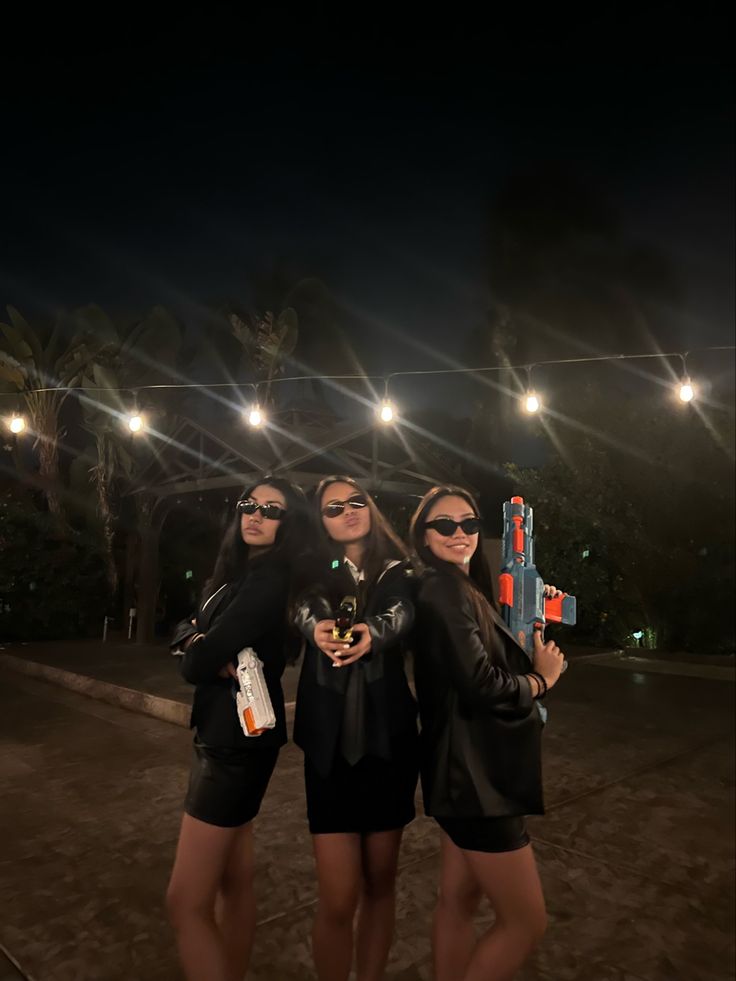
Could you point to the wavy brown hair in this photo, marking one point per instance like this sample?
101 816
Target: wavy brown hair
478 585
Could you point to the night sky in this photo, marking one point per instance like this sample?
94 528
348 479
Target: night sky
173 163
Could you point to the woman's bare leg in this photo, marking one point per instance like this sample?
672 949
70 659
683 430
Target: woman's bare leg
453 932
338 858
511 882
201 856
236 907
380 859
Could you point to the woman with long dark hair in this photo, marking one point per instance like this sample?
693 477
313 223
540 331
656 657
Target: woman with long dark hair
245 604
480 746
356 722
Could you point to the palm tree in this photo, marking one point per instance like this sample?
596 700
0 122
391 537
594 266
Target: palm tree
267 342
140 359
43 372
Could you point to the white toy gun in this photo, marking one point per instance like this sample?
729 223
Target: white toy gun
255 710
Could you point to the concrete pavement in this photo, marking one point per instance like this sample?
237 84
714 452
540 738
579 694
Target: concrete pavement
636 852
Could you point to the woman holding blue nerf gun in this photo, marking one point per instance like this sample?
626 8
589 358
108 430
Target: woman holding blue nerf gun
245 605
480 745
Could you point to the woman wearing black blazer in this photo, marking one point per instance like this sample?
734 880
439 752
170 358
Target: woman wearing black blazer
245 604
480 746
356 722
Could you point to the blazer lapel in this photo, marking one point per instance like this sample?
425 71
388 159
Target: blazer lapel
210 606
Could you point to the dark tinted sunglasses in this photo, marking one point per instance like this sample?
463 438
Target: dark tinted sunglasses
447 527
335 509
271 511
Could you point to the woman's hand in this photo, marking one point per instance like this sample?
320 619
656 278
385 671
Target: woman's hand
551 592
228 671
338 651
325 642
548 659
360 648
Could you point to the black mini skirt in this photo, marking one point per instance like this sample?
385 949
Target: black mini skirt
374 795
226 787
486 834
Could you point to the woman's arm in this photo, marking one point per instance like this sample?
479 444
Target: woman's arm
397 617
259 603
481 684
311 609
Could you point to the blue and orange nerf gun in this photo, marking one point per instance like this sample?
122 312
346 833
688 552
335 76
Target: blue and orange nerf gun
521 588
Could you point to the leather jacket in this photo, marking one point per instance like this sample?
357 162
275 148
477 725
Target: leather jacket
480 730
388 711
251 612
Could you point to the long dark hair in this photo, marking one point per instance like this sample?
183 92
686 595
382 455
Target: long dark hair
382 542
478 585
296 534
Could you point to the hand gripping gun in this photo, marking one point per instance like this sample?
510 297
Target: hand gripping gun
521 589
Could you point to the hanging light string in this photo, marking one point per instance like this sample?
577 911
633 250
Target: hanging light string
386 410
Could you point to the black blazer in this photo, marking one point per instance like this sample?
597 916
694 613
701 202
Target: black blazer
390 709
480 729
251 612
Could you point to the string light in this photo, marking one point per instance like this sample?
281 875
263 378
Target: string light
686 391
255 416
386 412
16 424
532 402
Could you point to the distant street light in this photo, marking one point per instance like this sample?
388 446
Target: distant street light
135 423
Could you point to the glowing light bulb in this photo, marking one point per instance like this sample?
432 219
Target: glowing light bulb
17 424
255 416
686 392
531 402
386 413
135 423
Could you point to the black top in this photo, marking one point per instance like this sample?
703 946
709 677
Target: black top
248 613
480 729
373 692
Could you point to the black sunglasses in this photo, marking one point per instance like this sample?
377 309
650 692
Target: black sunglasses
272 511
335 509
447 527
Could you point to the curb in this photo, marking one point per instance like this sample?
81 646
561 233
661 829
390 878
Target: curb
9 963
165 709
156 706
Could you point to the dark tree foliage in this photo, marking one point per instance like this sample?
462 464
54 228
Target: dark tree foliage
52 580
648 494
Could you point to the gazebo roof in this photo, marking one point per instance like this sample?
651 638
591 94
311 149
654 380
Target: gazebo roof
301 444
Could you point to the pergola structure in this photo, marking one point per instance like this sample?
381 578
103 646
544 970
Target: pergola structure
302 444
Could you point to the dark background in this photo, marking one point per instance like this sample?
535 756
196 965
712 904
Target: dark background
179 161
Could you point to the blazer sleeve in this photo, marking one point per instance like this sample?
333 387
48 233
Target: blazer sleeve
395 620
483 686
310 608
259 603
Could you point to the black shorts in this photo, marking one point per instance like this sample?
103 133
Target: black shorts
226 787
486 834
374 795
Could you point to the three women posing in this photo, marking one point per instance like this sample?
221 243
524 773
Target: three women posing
356 723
